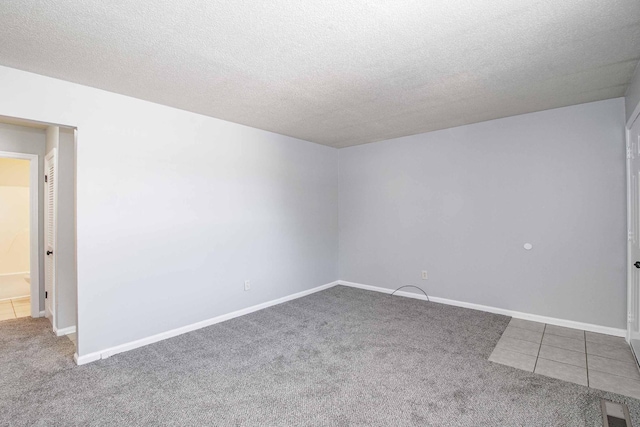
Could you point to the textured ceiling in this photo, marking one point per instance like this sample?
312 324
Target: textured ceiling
336 72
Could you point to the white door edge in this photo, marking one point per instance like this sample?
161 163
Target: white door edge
51 160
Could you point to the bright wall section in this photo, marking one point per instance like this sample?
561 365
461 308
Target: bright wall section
176 210
461 203
14 216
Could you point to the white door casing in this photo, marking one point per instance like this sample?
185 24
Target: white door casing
633 236
50 166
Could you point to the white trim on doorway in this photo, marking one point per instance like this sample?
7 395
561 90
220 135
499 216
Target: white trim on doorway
631 311
34 243
64 331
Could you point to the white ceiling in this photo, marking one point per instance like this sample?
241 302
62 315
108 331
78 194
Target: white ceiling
336 72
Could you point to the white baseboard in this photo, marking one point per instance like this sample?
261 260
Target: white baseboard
16 297
103 354
519 315
64 331
18 273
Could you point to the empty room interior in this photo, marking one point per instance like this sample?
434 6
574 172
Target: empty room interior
342 213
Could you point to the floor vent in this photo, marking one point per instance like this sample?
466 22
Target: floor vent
615 414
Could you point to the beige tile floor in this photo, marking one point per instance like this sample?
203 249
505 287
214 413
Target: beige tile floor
14 308
586 358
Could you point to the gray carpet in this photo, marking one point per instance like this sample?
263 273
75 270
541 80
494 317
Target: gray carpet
335 358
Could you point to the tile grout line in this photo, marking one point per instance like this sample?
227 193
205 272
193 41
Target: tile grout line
535 365
513 351
616 375
569 364
564 363
609 358
567 349
564 336
567 338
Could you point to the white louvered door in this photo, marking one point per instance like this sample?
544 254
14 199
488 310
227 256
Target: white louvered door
50 233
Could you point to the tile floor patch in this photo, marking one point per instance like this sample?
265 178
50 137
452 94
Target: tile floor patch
563 342
561 371
513 359
519 346
594 360
523 334
15 308
611 352
614 384
626 369
605 339
561 355
564 332
526 324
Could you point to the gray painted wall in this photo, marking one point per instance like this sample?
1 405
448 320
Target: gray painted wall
461 203
632 96
175 210
20 139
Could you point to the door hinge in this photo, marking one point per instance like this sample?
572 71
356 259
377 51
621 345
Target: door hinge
629 317
629 153
629 235
46 177
46 294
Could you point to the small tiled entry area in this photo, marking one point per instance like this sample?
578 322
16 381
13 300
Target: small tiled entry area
586 358
14 308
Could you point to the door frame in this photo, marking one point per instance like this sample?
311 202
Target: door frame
630 225
51 158
34 242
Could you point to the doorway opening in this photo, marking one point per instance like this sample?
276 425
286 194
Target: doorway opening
15 254
42 242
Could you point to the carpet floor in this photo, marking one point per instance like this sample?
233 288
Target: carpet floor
341 357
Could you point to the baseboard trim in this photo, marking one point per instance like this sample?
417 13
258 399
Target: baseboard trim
103 354
16 297
517 314
64 331
17 273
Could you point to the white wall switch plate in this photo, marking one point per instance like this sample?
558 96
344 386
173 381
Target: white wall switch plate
425 276
247 285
